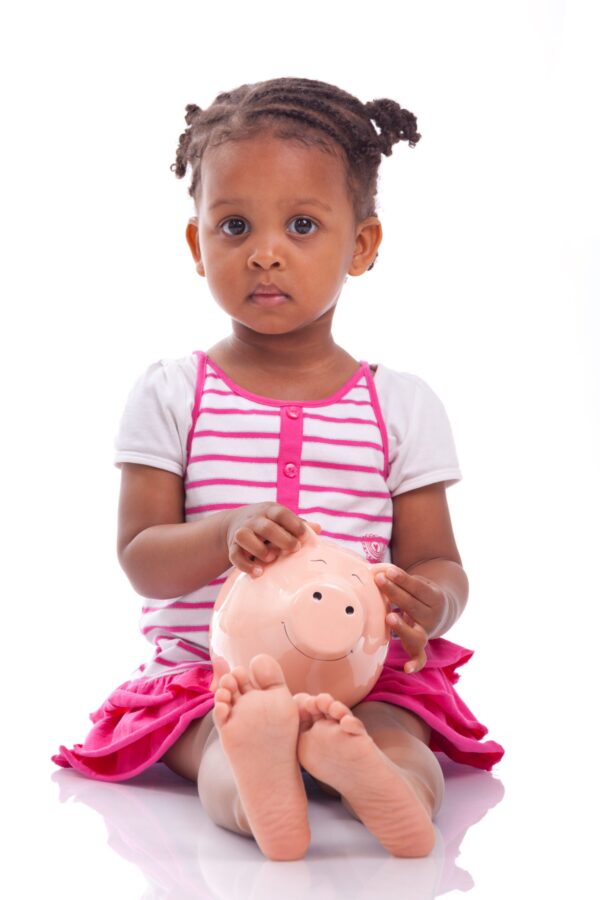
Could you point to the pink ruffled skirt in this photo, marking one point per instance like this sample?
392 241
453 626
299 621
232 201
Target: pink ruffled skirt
141 719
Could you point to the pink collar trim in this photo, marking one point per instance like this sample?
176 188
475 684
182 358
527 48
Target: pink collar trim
363 369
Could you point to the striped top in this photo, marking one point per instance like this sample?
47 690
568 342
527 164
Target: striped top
337 461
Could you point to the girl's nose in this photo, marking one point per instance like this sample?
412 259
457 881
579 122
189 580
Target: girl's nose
265 255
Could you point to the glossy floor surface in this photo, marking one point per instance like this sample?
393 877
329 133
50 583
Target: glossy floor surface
156 826
149 839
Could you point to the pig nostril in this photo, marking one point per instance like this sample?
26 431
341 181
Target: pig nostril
317 595
349 610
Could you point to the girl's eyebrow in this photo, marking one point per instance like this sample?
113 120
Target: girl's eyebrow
223 201
314 200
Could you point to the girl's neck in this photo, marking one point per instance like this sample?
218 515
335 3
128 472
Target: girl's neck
281 369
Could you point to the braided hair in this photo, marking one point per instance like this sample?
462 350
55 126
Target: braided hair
301 109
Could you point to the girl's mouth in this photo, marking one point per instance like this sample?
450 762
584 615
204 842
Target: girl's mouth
268 299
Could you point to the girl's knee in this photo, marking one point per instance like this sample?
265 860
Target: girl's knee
378 716
185 755
404 738
218 790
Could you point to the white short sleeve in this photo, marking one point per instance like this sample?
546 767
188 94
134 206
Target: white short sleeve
420 441
158 415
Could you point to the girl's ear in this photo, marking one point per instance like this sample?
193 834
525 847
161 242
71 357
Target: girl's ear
191 236
367 241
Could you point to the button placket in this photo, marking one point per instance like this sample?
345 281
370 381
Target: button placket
290 453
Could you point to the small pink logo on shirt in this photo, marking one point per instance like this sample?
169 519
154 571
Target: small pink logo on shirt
374 548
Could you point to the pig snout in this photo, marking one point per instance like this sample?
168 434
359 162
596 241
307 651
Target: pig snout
325 620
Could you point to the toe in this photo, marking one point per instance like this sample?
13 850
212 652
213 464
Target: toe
301 699
352 725
338 710
306 718
242 680
229 682
266 672
221 712
311 707
223 695
323 703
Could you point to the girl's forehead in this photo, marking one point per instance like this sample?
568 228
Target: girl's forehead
269 165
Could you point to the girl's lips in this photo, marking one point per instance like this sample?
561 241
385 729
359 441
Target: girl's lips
268 299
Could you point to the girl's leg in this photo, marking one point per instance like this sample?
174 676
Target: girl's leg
246 766
404 738
198 756
184 756
258 723
376 757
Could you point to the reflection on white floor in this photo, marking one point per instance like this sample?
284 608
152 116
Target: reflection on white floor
156 823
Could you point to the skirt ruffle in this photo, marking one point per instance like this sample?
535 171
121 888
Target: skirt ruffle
138 723
142 718
430 694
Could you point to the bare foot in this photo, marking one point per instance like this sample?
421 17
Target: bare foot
257 720
337 750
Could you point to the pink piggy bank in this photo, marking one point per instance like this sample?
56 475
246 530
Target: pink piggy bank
317 611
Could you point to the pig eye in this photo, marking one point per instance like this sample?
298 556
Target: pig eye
317 595
349 610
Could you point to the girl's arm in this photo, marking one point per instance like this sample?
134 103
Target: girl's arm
164 556
435 588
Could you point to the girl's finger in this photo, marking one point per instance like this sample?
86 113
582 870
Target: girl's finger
288 520
401 598
416 664
277 535
416 585
240 560
254 546
246 562
414 640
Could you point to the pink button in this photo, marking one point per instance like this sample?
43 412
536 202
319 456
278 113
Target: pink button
293 412
290 470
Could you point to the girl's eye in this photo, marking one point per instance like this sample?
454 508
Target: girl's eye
236 225
303 224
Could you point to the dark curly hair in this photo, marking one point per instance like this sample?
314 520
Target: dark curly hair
301 109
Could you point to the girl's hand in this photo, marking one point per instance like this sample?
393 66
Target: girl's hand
421 606
259 532
413 638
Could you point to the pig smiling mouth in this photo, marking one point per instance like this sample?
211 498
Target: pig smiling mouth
318 658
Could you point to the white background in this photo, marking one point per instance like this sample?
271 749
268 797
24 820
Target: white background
486 286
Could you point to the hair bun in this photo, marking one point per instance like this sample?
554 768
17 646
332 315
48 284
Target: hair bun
395 123
191 112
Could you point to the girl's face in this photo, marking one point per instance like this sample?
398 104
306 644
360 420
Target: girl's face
275 212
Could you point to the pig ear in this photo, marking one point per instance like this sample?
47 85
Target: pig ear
310 535
375 568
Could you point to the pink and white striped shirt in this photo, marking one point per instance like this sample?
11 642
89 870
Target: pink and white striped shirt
337 461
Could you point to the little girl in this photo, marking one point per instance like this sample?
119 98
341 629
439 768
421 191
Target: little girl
224 452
